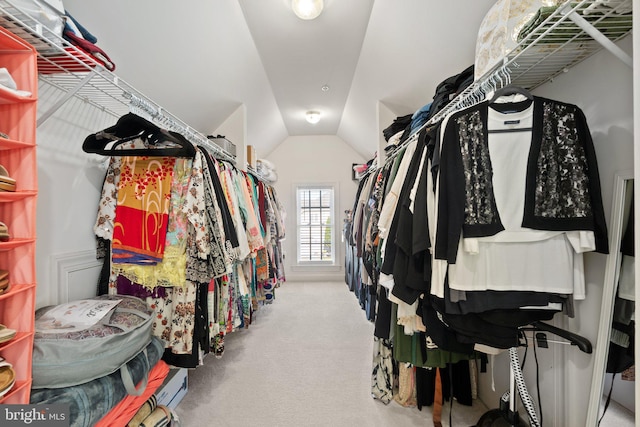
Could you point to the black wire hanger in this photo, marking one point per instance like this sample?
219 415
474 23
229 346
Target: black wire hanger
159 142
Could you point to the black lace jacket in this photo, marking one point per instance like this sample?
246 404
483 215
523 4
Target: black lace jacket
562 183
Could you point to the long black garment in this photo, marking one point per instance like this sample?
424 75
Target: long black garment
621 346
481 301
413 260
442 335
412 171
104 252
410 270
383 319
449 88
456 383
227 221
496 328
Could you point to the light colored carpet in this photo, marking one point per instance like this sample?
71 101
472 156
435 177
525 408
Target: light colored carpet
616 415
305 361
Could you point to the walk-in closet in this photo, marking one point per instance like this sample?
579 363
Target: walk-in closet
318 213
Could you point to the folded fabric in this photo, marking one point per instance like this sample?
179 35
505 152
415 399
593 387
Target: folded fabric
90 49
608 26
80 28
142 210
126 287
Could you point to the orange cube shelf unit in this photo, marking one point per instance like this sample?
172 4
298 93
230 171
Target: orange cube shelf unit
18 210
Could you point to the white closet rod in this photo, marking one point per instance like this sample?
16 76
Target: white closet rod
258 175
145 107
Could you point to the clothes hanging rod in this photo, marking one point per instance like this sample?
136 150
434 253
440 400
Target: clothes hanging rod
258 175
75 75
158 114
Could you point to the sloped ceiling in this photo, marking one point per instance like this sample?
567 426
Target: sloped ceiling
201 59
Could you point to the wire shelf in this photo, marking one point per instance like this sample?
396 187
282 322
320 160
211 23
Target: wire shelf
75 74
559 43
568 35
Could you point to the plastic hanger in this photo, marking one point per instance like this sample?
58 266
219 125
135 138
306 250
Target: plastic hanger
511 90
161 142
510 107
582 343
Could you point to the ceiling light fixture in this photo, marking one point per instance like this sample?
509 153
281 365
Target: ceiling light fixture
325 88
313 116
307 9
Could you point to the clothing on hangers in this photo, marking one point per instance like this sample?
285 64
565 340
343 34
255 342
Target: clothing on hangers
204 284
519 182
156 141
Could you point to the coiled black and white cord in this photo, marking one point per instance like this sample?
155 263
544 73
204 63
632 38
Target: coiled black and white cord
522 387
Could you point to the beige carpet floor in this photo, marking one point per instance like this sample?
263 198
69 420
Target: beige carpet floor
305 361
616 415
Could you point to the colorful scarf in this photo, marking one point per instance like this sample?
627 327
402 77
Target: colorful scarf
142 210
171 271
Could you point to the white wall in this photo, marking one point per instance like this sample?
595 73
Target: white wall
602 87
234 129
69 186
314 160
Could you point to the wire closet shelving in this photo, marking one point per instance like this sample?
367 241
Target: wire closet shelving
569 34
74 74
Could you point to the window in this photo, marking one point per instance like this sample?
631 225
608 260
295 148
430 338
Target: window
315 209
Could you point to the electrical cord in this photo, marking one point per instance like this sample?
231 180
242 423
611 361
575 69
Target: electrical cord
450 391
606 404
535 355
526 350
524 361
522 387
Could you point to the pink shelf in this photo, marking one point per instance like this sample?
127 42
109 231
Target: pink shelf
18 210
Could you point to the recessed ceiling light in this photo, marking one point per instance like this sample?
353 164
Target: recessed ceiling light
307 9
325 88
313 116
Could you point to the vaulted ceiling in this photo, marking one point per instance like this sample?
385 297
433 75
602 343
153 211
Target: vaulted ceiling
202 59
